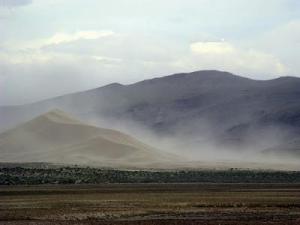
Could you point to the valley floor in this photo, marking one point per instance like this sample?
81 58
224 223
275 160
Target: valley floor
151 204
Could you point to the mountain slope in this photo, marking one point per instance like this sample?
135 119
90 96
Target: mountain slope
57 137
290 147
199 107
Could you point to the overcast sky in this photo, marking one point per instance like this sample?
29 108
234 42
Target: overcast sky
52 47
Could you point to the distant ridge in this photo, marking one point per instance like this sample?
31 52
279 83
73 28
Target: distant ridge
207 74
204 106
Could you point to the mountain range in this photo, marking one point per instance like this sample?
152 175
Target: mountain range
203 108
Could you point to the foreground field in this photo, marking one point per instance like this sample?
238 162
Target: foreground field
152 204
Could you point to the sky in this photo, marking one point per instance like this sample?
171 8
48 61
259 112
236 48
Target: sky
52 47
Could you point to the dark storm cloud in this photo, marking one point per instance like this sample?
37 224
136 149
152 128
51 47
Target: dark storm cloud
14 3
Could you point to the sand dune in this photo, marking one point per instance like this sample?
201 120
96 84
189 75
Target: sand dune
57 137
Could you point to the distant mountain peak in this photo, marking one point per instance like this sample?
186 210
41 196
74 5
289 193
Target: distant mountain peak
59 116
201 75
113 85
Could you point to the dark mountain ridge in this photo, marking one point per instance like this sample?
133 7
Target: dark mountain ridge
208 105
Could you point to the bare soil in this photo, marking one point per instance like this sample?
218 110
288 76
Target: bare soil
151 204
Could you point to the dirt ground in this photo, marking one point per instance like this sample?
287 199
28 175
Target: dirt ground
151 204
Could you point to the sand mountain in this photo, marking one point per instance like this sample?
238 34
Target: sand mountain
203 106
57 137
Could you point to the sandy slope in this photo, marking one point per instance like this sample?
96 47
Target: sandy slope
57 137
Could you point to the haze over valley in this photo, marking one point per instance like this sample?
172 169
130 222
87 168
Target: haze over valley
195 84
204 118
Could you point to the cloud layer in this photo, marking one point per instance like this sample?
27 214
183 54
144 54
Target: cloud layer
54 47
14 3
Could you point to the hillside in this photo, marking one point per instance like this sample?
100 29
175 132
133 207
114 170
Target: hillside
57 137
198 109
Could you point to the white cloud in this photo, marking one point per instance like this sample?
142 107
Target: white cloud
212 48
33 51
283 42
60 38
226 56
105 59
